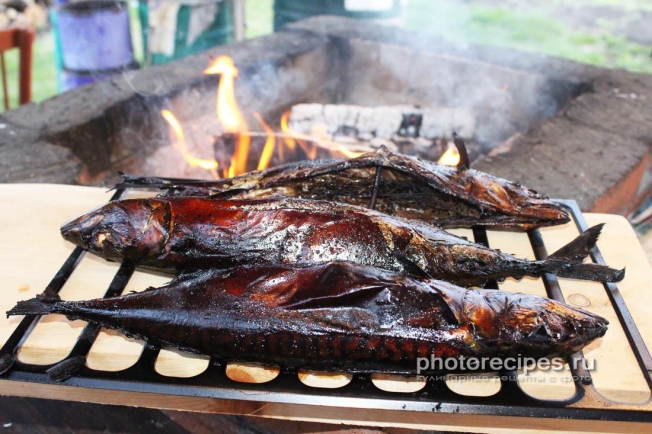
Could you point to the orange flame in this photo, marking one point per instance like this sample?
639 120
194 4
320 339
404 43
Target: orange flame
233 122
289 141
181 144
229 113
318 138
450 158
268 150
344 150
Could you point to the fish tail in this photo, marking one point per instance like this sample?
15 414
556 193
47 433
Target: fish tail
590 271
567 261
40 305
580 247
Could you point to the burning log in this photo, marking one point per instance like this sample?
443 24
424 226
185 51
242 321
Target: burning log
405 129
382 122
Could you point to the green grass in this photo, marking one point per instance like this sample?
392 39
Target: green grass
627 5
259 16
44 83
532 31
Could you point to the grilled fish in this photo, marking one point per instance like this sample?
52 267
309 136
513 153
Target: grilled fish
335 316
184 233
408 187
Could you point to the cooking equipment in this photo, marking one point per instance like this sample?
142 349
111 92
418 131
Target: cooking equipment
122 371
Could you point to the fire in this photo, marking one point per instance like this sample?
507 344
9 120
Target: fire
318 138
181 144
229 113
289 141
233 122
450 158
268 150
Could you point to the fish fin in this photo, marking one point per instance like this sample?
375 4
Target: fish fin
590 271
194 275
567 261
339 300
580 247
411 267
40 305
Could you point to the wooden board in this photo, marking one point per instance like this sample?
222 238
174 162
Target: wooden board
32 251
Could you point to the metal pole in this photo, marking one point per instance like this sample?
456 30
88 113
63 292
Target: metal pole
238 20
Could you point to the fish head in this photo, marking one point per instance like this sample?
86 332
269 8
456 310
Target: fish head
122 229
519 323
534 210
513 205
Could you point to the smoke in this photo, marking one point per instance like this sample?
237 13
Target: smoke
366 65
506 91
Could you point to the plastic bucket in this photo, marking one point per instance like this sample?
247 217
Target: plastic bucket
196 26
94 35
287 11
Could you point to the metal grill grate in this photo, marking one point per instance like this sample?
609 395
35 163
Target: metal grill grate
586 403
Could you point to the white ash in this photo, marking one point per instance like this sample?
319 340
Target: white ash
381 123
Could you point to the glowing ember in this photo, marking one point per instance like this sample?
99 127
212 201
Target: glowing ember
181 144
268 150
229 113
450 158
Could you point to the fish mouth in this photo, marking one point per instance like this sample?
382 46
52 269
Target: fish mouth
571 331
551 213
80 229
535 216
590 326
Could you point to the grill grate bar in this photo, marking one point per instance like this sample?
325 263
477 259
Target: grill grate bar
27 324
25 327
480 237
286 388
576 360
634 337
77 356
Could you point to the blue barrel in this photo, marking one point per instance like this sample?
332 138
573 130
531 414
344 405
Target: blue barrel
70 79
94 35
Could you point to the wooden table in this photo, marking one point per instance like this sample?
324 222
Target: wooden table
32 251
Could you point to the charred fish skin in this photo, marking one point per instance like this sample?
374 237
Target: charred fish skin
410 187
184 233
335 316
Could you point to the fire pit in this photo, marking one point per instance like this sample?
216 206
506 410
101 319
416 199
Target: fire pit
570 130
